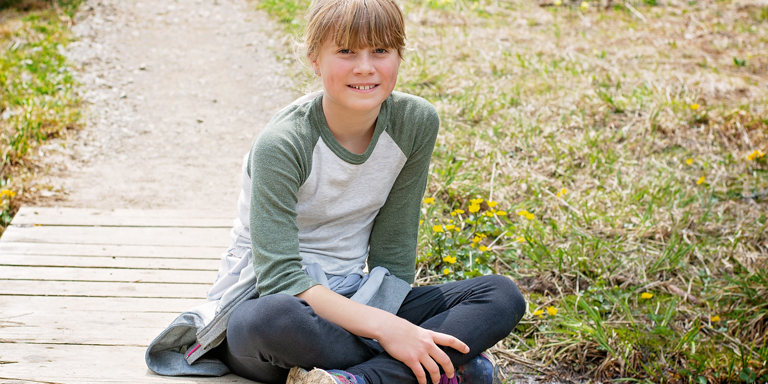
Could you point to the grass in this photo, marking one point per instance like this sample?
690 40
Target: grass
38 98
610 159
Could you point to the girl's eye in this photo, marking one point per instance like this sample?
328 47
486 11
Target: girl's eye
345 51
380 50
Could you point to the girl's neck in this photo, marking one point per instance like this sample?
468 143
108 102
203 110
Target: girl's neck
352 129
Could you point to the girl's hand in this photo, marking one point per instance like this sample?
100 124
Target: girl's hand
418 348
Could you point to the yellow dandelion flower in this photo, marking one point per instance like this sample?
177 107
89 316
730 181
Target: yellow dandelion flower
421 222
694 106
477 260
474 208
689 161
446 271
450 259
450 227
646 295
501 213
584 5
492 203
453 213
7 193
437 228
700 180
429 200
714 319
520 239
476 239
562 192
482 235
459 211
483 248
558 2
450 221
756 154
489 214
476 201
530 216
472 245
539 313
522 213
552 311
457 229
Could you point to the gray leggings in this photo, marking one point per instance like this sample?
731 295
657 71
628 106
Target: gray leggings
269 335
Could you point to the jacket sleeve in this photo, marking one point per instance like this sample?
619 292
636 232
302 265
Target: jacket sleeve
277 167
395 230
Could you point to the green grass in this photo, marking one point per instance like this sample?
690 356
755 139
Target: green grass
624 149
38 98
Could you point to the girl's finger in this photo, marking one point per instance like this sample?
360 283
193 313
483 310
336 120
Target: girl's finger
450 341
432 368
418 370
442 358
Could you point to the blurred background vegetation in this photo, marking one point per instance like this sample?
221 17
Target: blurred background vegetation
608 157
38 99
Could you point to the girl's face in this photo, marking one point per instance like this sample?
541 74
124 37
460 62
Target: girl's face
356 79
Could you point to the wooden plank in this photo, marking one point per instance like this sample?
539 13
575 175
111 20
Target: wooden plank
86 328
177 237
92 289
86 364
121 217
122 213
108 262
87 320
84 305
36 248
202 278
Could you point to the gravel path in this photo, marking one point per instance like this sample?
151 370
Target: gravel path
175 91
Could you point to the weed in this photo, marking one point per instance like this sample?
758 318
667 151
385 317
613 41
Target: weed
37 89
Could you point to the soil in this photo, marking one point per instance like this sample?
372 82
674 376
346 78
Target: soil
175 92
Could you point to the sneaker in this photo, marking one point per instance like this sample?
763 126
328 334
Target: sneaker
480 370
298 375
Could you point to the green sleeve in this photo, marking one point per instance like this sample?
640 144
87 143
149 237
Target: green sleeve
394 237
280 161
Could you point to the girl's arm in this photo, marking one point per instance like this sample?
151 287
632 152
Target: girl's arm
404 341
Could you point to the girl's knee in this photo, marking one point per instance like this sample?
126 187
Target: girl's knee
508 298
258 323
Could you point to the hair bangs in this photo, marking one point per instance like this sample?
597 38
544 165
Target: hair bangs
369 23
355 24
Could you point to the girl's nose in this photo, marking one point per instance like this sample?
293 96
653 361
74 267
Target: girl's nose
364 64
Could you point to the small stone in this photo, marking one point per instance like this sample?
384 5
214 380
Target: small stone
143 66
200 120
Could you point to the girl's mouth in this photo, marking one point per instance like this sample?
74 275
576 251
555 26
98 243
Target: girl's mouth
363 87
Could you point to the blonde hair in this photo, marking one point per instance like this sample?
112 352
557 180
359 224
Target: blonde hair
354 24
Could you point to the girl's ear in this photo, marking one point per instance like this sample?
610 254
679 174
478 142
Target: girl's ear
313 63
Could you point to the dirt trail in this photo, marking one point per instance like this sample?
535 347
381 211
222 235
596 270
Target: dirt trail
176 91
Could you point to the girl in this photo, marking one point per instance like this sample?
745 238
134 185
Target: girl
335 182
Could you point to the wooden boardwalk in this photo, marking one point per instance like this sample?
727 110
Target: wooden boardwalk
83 292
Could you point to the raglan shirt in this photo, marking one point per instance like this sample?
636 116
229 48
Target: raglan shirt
313 201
